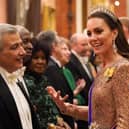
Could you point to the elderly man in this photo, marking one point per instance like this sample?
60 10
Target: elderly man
26 37
15 107
81 71
60 55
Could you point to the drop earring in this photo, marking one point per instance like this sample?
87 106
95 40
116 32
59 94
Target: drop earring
114 46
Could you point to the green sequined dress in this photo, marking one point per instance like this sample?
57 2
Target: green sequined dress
45 108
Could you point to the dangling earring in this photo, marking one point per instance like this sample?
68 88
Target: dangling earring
114 46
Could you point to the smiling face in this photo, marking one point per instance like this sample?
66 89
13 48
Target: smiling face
81 46
26 39
11 56
100 36
62 53
38 62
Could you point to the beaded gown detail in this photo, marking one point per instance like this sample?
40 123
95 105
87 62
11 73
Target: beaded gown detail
110 97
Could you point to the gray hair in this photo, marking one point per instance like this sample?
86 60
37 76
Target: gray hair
22 30
6 29
74 38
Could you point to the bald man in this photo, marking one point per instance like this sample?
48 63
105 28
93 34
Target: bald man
80 71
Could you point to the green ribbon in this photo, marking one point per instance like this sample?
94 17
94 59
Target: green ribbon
70 79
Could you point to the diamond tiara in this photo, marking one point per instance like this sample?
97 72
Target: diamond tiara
103 10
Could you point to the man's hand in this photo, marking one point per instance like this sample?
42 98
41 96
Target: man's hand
80 86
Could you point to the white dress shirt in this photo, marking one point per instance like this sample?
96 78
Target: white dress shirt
19 98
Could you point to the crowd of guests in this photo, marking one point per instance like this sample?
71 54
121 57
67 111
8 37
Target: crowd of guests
49 81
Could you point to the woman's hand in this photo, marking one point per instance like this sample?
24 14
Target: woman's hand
66 108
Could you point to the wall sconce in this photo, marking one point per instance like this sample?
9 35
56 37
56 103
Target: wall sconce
117 3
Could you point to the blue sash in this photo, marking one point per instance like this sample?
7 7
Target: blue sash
90 107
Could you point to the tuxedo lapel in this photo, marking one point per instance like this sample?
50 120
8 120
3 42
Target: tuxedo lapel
89 69
57 79
80 68
25 94
23 91
78 71
33 115
9 102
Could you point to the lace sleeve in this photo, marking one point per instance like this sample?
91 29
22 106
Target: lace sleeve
121 96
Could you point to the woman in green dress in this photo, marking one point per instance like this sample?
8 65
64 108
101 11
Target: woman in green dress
36 82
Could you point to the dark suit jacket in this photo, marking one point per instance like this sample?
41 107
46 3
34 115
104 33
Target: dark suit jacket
78 72
9 118
58 81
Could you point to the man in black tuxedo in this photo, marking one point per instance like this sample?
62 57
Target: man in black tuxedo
60 55
15 107
79 69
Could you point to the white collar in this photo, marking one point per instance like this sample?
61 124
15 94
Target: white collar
77 55
84 59
14 76
57 61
